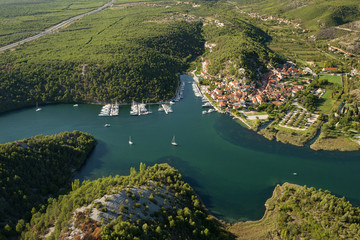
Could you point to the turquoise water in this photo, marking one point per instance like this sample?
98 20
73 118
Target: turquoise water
234 170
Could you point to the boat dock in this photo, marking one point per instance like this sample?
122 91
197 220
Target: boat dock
166 108
109 110
196 90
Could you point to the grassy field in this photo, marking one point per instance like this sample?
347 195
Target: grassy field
19 18
97 37
333 79
338 143
326 103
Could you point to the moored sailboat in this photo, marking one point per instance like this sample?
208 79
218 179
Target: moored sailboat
173 142
37 107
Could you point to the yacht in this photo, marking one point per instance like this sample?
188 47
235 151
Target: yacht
204 112
107 125
207 104
75 105
211 110
130 142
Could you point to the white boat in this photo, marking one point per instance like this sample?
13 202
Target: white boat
211 110
130 142
173 141
107 125
134 109
207 104
160 108
204 112
294 173
172 102
37 107
75 105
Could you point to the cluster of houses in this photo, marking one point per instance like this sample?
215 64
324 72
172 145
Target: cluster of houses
183 16
188 3
336 50
273 87
273 18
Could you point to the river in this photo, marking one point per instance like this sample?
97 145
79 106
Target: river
233 169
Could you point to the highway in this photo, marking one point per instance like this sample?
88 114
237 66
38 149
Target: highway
54 28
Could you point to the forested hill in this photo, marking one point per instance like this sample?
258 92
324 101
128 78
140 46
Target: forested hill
33 169
155 203
238 49
296 212
152 203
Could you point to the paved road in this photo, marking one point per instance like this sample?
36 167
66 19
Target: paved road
54 28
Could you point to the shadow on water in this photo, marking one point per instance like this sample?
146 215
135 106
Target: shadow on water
187 172
248 139
93 162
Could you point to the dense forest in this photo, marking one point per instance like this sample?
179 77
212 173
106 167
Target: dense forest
33 169
180 214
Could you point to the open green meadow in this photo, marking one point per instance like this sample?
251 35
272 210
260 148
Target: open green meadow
325 102
333 79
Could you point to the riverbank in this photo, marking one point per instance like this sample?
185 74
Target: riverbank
334 143
219 110
291 135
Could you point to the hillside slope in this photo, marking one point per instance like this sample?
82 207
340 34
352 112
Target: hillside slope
34 168
295 212
313 15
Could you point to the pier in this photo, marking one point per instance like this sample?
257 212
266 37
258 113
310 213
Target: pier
166 108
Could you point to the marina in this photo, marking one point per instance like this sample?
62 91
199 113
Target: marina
138 109
109 110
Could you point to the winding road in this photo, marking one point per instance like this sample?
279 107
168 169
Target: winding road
54 28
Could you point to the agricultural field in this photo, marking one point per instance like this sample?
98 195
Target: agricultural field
21 18
314 15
